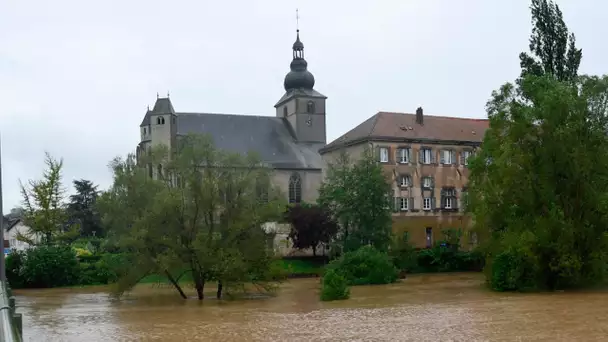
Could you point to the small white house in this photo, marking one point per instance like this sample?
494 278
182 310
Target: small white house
14 226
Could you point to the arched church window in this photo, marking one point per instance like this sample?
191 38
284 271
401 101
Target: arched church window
295 188
160 120
285 111
310 107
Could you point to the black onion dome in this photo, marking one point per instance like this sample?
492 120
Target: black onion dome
299 76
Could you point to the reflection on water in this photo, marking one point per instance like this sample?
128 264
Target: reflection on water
438 307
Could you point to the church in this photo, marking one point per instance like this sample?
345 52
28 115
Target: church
289 141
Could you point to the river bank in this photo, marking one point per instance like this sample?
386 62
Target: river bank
423 307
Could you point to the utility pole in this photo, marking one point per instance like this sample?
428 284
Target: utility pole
2 259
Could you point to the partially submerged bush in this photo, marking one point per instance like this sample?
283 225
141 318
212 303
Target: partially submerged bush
334 286
365 266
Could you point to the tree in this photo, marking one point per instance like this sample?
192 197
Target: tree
82 208
311 225
553 49
539 187
357 193
202 215
44 209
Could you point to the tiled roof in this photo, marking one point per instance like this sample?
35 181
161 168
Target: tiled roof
403 126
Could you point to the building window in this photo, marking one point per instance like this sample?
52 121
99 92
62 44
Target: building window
448 198
285 111
404 155
310 107
13 243
429 237
426 156
405 181
384 154
403 204
295 188
160 120
464 157
427 182
427 203
448 157
145 132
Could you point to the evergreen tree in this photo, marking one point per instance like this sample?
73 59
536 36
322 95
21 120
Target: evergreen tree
82 208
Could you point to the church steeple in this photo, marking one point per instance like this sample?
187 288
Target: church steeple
299 77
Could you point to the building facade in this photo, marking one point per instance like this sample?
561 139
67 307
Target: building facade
289 141
425 158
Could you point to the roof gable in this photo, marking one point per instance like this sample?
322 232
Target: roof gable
403 126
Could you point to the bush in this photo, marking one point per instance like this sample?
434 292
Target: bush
334 286
14 264
49 266
403 253
514 267
365 266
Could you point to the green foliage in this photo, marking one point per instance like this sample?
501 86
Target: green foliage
203 212
43 267
82 208
403 253
539 187
334 286
553 49
311 225
365 266
14 264
44 211
356 192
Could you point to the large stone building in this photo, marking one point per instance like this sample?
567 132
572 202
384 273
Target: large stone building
426 158
289 141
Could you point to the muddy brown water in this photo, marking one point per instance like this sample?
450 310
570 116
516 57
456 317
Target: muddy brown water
438 307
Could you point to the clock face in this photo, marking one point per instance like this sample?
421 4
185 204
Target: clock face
309 121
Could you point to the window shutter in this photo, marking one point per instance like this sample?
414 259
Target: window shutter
396 204
391 154
409 155
410 204
453 157
378 156
461 155
441 156
432 181
433 157
421 156
433 204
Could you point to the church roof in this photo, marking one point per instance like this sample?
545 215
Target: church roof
271 137
402 127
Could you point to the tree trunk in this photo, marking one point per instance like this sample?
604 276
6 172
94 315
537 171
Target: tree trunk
220 287
199 284
314 250
176 284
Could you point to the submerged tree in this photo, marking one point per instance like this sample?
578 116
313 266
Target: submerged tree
356 192
44 210
202 215
539 186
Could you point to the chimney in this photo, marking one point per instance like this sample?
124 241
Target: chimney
419 116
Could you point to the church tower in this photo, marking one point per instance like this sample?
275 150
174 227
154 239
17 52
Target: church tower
302 106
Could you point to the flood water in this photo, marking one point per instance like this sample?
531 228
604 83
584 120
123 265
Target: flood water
438 307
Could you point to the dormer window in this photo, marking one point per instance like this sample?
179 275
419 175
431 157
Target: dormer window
160 120
310 107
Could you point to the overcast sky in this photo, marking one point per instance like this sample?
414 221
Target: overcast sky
76 76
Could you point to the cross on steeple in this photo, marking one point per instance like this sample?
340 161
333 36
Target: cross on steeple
297 20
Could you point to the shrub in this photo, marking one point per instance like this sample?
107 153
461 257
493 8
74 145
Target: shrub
403 253
513 269
14 265
49 266
334 286
365 266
